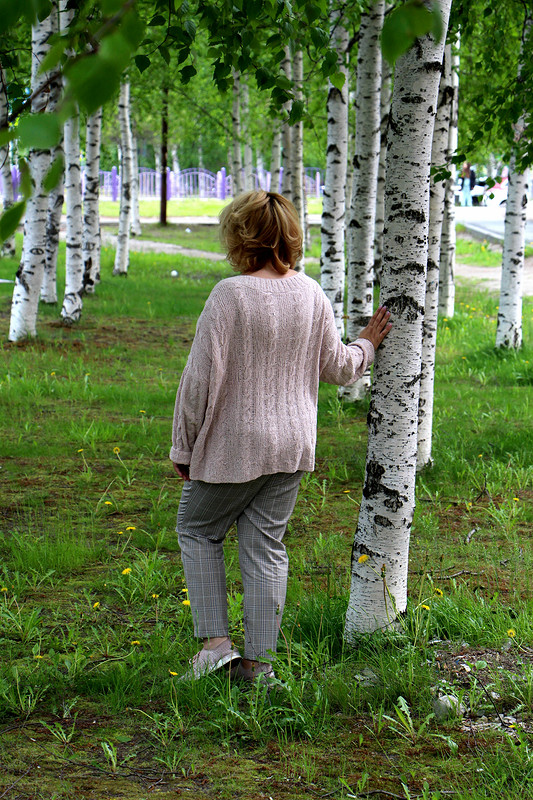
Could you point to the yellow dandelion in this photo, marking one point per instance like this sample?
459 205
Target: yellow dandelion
80 450
120 533
185 602
516 499
96 605
126 571
464 358
131 528
426 607
155 596
362 559
142 411
480 455
511 632
116 450
3 589
347 491
52 373
172 673
135 641
184 591
38 657
438 591
108 503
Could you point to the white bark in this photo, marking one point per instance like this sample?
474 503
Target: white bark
275 161
380 551
385 100
56 196
362 213
286 133
175 160
236 155
448 238
123 238
439 156
30 273
297 154
91 202
247 137
8 247
332 261
509 327
135 225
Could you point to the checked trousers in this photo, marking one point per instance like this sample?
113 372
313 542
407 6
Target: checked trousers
261 509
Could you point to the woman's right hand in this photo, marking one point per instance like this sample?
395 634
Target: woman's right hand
378 327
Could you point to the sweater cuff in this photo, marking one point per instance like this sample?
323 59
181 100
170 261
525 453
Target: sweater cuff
179 456
367 347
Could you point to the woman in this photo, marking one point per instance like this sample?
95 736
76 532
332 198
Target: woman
245 424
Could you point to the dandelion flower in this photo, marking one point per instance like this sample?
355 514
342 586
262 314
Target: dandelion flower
38 656
516 499
131 528
142 411
184 591
116 450
96 605
426 607
126 571
362 559
52 373
511 632
108 503
480 455
120 533
155 596
185 602
80 450
438 591
172 673
135 641
347 491
3 589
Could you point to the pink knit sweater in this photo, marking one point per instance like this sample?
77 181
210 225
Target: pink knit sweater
247 400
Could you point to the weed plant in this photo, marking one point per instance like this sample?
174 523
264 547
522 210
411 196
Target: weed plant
95 626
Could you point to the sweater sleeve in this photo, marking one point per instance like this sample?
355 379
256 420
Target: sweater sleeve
193 392
342 364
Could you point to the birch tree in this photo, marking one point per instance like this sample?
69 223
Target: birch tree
91 204
361 216
378 590
385 100
275 159
135 225
247 137
286 132
509 327
29 276
236 162
8 247
439 156
297 153
332 261
448 237
123 238
56 196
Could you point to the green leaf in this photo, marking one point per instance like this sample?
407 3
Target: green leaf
405 24
53 57
111 6
25 185
190 27
157 20
165 54
53 176
39 131
10 220
338 80
7 135
142 62
297 111
187 73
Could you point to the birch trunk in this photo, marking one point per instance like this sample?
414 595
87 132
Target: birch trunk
248 155
91 204
332 261
56 196
29 276
135 226
163 160
236 159
380 552
362 213
297 155
448 239
385 100
123 239
8 247
509 327
275 161
439 156
286 133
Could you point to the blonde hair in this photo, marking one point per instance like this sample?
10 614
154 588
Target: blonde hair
259 228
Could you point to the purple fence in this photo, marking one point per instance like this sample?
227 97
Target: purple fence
186 183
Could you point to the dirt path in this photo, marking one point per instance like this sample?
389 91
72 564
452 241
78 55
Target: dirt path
485 277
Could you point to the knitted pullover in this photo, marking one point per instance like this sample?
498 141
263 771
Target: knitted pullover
247 400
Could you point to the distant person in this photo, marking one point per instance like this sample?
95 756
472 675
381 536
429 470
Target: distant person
468 177
245 424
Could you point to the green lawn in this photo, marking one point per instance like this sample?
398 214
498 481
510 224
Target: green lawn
94 632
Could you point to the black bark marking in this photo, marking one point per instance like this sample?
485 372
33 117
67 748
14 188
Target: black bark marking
359 549
412 265
374 418
373 486
382 521
401 305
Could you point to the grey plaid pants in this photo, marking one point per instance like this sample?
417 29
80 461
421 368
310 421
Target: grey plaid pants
261 508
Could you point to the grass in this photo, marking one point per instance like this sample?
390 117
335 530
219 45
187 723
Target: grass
187 207
94 631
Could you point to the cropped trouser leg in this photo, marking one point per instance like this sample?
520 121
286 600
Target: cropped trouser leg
261 508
